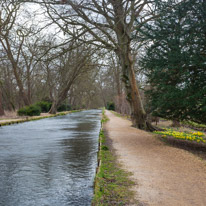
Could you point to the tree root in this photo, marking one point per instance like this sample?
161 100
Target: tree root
152 128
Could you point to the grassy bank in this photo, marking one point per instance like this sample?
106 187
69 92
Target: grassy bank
26 119
112 183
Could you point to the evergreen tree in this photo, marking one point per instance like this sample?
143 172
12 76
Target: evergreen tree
175 61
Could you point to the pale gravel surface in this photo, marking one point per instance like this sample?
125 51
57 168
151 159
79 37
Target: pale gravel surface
164 176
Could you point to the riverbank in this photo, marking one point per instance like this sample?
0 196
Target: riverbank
112 183
163 175
18 119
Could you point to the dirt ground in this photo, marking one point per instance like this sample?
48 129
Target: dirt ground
164 175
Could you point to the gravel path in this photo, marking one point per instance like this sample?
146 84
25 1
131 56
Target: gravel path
165 176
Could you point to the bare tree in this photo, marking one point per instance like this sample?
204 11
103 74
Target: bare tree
68 68
8 16
21 41
8 85
85 92
108 24
1 105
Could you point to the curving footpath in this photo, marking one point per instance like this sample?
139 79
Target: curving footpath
164 176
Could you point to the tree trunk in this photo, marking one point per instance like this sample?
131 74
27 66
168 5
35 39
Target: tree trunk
60 98
53 109
117 79
102 95
175 123
28 85
20 85
1 106
138 114
123 51
16 72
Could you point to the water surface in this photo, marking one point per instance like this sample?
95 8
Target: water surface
49 162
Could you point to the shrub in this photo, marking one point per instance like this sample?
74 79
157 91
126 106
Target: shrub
32 110
111 106
194 124
105 148
64 107
45 106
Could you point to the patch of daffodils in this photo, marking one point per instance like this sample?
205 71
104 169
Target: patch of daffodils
200 134
192 136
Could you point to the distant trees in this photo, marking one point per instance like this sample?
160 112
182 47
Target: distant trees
20 40
85 92
12 42
1 105
69 67
175 61
35 64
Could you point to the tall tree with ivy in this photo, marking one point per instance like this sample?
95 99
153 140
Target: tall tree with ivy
175 61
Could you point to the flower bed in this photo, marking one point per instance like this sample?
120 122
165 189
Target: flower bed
191 136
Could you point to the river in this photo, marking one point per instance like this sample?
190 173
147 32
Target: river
49 162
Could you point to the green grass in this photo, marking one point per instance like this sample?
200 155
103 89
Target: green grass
194 124
104 117
112 183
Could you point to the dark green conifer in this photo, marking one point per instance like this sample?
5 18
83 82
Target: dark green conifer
175 60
